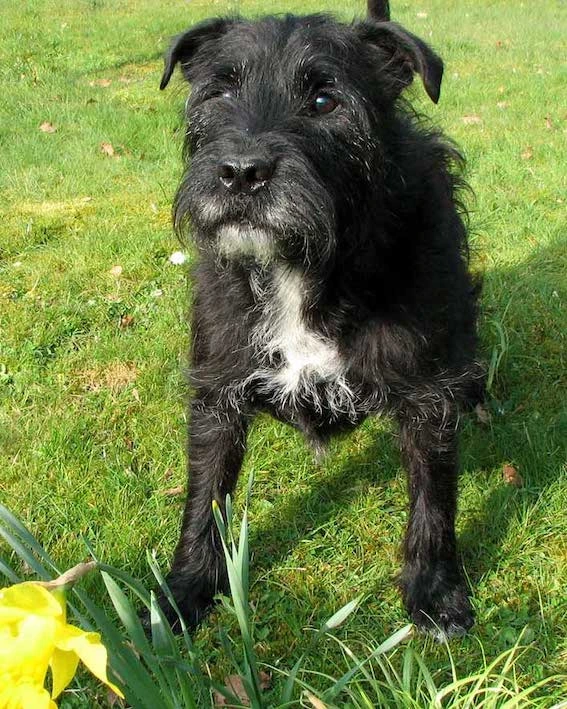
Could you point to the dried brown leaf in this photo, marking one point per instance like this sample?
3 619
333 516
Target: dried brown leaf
126 321
317 703
173 491
472 120
527 153
482 414
26 568
511 476
47 127
112 698
548 123
104 83
108 149
234 684
218 699
116 271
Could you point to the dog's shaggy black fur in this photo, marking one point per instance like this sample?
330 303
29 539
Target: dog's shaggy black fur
332 281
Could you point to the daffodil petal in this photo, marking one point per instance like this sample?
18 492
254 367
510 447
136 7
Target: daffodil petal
25 654
29 597
11 614
115 689
67 636
63 667
90 650
26 696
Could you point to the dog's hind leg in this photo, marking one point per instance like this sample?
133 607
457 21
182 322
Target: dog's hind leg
216 449
433 587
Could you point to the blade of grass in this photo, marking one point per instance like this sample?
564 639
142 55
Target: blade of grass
131 675
26 555
127 614
514 702
165 648
23 533
8 572
236 566
340 616
287 692
169 595
389 644
133 584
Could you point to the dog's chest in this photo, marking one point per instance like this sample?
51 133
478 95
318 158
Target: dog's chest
297 365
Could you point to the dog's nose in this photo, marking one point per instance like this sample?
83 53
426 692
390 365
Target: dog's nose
246 175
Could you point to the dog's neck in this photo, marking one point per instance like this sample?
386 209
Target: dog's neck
294 288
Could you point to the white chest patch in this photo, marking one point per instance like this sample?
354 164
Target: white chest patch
298 365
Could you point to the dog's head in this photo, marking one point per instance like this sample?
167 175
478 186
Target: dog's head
287 123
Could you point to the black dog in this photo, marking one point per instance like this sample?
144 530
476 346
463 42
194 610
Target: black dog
332 281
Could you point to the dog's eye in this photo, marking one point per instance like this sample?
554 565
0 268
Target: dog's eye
323 103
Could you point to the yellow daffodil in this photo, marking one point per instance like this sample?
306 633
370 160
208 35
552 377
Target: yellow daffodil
26 696
35 635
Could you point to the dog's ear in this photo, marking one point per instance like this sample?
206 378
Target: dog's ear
378 10
407 54
186 44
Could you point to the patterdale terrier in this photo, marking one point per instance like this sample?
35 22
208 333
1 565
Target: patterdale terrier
332 280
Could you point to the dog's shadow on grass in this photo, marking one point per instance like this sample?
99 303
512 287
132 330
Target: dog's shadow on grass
298 515
522 431
521 321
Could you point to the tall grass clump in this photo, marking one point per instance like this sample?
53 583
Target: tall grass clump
155 668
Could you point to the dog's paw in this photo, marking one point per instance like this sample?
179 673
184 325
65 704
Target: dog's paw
438 603
446 616
192 610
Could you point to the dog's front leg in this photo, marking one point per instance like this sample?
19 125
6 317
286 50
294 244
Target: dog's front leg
217 443
433 587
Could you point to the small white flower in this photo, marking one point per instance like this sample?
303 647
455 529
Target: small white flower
17 264
157 293
177 258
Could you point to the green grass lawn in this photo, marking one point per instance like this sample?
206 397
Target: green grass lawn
93 332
